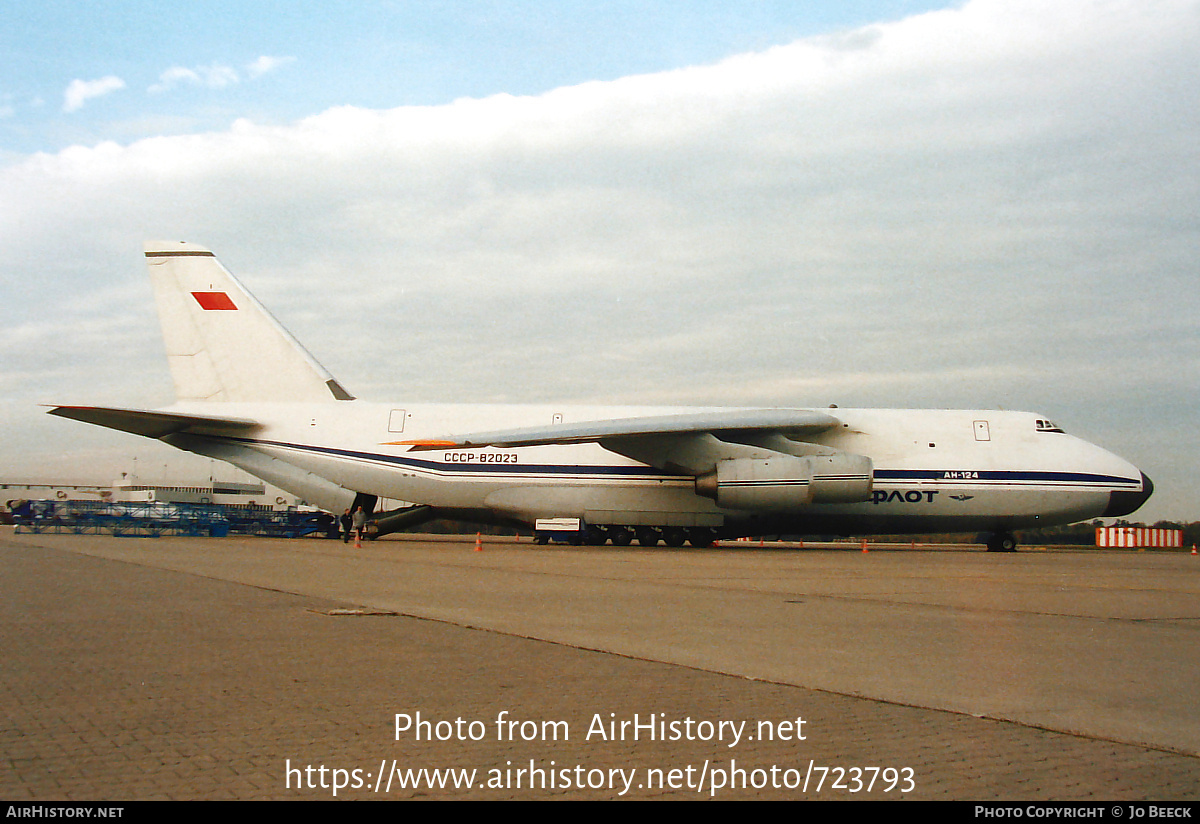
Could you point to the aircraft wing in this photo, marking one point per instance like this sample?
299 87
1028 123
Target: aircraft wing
146 422
734 423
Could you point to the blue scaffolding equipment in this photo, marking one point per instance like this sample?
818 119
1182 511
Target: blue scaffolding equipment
151 520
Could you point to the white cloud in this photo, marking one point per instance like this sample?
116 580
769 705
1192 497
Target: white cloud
81 91
990 206
266 64
209 77
216 76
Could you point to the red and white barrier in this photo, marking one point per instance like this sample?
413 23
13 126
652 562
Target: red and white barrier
1138 536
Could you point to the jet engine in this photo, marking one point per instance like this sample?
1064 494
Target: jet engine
785 482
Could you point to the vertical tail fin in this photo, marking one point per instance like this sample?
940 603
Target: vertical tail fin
222 344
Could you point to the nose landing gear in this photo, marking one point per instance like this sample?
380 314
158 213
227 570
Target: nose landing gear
1002 542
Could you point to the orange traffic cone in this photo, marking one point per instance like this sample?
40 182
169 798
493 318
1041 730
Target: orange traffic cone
1193 549
864 546
478 542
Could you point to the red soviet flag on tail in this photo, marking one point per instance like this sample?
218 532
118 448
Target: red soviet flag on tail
213 300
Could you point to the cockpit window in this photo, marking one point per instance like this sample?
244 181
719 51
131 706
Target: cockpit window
1047 426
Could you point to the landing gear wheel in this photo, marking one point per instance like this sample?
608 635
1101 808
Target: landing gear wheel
1002 542
701 538
647 537
674 536
595 536
621 536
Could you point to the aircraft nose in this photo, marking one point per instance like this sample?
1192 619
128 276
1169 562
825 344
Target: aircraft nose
1123 503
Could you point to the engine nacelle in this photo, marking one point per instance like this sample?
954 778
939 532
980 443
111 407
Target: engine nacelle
842 478
786 482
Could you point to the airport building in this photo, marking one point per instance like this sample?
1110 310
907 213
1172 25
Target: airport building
129 489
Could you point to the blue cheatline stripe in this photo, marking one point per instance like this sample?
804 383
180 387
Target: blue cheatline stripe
1000 476
456 468
762 482
945 477
179 253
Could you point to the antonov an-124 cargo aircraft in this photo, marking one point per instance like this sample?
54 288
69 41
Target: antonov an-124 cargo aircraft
248 393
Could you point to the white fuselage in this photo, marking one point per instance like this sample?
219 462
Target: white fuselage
934 470
251 395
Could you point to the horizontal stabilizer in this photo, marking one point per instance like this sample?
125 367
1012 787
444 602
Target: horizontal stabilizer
149 423
786 421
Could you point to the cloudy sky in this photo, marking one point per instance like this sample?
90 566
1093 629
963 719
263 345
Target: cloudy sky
880 203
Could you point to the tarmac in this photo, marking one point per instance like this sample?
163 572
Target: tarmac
194 668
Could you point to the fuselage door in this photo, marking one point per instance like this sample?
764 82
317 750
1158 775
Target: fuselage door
981 431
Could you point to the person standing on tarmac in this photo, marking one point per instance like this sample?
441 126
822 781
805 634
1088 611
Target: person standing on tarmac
345 522
360 526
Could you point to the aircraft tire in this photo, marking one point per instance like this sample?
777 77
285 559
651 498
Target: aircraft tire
621 536
1002 542
674 536
647 536
701 538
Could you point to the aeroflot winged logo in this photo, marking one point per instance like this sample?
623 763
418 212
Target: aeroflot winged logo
213 300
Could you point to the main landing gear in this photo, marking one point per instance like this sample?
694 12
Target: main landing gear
645 535
674 536
1002 542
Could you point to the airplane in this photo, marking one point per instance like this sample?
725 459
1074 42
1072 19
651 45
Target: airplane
249 394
